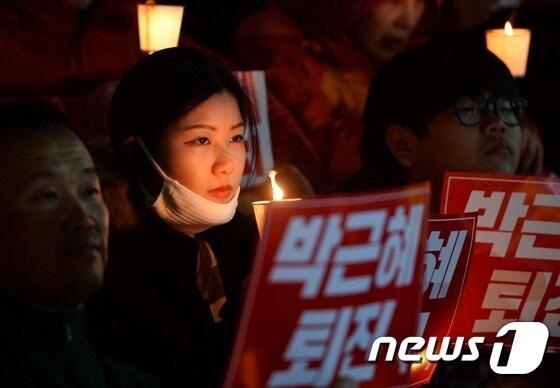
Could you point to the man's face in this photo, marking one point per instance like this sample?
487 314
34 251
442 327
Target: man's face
54 220
491 146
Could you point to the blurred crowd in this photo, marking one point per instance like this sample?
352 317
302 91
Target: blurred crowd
361 94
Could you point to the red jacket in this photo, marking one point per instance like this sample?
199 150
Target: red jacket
322 84
47 47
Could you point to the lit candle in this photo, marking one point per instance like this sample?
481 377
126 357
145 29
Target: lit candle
511 45
277 192
259 207
422 365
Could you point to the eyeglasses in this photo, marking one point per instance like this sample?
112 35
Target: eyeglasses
472 111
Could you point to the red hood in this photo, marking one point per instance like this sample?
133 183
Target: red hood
330 17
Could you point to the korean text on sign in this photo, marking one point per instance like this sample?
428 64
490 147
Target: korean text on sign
516 263
446 262
331 275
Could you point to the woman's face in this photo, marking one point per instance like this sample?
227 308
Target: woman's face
386 29
205 149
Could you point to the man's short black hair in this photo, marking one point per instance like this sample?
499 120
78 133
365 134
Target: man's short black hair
21 118
420 82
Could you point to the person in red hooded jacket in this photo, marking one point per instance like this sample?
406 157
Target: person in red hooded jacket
65 47
319 57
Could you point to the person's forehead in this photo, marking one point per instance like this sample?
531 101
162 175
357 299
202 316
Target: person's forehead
59 151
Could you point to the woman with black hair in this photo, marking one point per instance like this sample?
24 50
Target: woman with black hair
173 288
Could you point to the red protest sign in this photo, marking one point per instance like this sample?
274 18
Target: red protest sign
330 276
448 249
515 269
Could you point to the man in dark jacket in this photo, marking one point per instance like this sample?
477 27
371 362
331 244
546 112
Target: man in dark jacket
53 239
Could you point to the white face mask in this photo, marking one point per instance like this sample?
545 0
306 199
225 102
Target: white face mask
184 210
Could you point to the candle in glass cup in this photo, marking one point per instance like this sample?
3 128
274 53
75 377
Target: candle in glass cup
260 207
511 45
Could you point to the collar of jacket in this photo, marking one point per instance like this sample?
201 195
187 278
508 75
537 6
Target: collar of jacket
25 320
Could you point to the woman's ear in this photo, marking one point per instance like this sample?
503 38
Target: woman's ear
403 144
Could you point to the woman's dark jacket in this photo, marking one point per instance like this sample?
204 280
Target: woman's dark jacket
150 313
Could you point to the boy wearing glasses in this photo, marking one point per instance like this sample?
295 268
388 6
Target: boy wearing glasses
446 107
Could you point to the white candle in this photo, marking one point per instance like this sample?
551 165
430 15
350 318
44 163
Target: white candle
260 207
511 45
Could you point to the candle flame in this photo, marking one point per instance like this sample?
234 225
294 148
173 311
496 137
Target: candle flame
277 192
422 365
508 29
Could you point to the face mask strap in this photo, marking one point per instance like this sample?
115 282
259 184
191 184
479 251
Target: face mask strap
149 197
150 158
